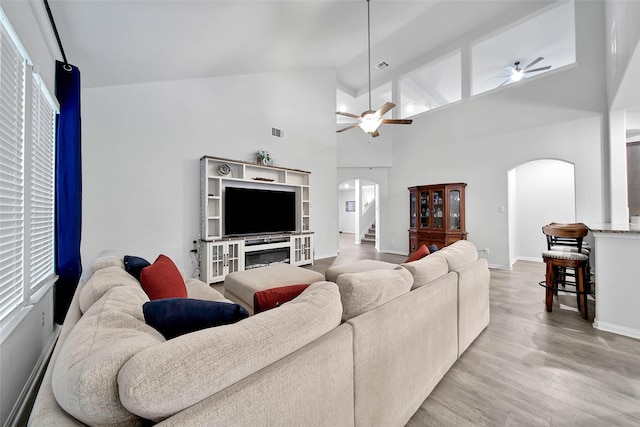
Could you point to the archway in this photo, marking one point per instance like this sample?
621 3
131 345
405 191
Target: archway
539 192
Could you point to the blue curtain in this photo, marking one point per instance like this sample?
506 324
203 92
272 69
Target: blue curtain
68 188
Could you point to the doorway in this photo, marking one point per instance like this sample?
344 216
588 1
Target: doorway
539 192
358 211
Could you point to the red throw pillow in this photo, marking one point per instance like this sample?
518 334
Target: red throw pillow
422 252
162 279
271 298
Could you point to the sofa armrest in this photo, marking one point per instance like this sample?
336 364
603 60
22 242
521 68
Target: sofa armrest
473 302
312 386
202 363
401 350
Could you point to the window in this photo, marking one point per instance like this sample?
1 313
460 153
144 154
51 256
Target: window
27 143
432 86
549 35
41 186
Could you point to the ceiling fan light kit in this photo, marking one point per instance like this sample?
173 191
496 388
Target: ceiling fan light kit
369 121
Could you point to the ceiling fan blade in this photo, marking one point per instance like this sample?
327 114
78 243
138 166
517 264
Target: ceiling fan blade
534 62
397 121
386 107
375 133
342 113
504 82
538 69
499 77
348 127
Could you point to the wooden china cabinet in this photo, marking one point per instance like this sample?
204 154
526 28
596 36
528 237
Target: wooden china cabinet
436 215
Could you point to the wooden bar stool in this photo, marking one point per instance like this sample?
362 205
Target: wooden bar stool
558 260
572 244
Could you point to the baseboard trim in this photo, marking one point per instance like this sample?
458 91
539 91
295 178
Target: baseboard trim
617 329
21 410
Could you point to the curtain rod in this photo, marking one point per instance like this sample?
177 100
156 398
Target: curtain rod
55 31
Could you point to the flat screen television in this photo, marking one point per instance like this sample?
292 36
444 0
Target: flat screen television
258 211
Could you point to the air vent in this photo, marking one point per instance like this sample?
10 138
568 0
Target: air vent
278 133
382 65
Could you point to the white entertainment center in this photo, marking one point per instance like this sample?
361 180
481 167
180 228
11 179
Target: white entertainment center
221 254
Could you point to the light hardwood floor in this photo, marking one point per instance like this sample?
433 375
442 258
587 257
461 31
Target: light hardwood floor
529 367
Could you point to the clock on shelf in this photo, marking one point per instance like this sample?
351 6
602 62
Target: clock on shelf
224 169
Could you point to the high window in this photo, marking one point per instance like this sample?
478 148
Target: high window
538 44
27 171
432 86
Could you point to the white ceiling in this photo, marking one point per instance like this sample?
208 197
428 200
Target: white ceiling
115 42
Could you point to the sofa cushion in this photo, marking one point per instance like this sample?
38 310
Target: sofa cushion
426 270
200 290
107 258
331 274
422 252
459 254
202 363
173 317
162 279
134 265
100 282
364 291
272 298
85 373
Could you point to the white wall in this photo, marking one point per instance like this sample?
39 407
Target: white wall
622 34
142 144
559 115
623 90
356 150
368 194
545 192
347 220
24 340
619 213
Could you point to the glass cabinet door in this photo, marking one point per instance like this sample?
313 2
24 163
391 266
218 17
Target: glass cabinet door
454 210
216 260
413 219
438 209
425 210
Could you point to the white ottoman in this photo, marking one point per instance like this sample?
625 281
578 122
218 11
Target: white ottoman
241 285
332 273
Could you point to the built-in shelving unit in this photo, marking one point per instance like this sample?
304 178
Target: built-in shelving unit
220 254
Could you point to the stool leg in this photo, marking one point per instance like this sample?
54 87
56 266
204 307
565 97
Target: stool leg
551 286
582 295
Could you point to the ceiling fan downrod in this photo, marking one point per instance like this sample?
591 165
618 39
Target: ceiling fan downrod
369 48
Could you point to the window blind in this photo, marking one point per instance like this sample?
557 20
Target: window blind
12 84
41 185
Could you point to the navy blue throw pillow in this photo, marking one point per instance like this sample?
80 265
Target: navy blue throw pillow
173 317
432 248
134 265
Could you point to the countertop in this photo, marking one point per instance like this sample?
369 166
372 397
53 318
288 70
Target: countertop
615 228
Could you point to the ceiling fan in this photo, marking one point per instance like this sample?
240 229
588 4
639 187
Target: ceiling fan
369 121
517 73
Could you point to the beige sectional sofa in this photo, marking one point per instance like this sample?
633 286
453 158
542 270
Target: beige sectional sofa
366 350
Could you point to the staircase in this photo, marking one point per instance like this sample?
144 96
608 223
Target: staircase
370 236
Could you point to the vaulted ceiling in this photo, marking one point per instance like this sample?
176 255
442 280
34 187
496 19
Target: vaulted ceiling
127 41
